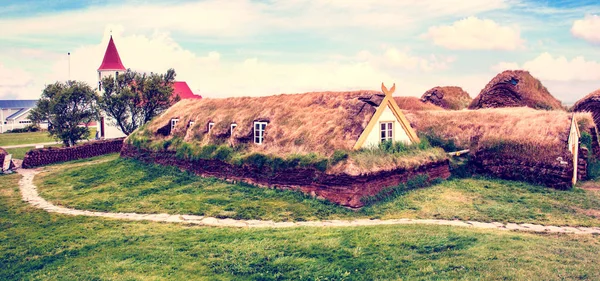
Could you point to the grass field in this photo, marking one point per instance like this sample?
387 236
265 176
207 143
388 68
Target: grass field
117 185
19 153
35 245
31 138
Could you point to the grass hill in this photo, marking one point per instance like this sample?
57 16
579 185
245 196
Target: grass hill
515 88
448 97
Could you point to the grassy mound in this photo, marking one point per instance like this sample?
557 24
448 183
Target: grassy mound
515 88
448 97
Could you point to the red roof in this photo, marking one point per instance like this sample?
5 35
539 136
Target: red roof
183 90
111 60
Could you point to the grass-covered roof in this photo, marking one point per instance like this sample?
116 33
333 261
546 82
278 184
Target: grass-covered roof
298 123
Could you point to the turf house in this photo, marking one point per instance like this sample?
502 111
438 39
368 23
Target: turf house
346 147
515 143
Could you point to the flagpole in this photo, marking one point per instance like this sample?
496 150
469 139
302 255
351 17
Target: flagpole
69 55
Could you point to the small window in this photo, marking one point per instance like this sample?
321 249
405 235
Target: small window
233 127
210 126
173 123
387 131
191 124
259 132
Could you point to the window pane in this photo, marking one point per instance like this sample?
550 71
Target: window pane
383 134
382 126
390 126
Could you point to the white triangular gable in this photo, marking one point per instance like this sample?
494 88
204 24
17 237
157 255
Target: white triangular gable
399 134
388 111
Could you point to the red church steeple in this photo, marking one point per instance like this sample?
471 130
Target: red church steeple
111 60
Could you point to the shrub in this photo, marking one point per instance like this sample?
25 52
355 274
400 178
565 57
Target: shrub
256 159
206 151
338 156
223 153
27 129
448 144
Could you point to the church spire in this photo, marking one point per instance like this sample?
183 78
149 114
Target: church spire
111 60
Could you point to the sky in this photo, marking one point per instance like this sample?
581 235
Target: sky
225 48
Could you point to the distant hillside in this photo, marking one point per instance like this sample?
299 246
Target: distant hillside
414 103
514 88
448 97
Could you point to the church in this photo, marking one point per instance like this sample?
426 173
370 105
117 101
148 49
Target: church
111 66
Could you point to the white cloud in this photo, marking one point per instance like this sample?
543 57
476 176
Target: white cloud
13 82
244 18
209 74
395 59
587 28
559 68
473 33
502 66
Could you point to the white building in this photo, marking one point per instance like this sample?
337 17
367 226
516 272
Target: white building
111 66
14 114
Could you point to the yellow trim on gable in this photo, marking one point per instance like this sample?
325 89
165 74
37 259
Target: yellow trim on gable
387 101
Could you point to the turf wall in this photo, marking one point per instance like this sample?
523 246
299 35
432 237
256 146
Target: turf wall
343 189
50 155
512 166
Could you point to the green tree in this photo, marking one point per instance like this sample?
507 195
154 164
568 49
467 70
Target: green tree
133 98
65 106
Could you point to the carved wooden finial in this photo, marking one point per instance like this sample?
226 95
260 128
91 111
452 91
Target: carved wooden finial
386 91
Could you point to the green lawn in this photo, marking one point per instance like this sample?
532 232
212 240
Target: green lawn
35 245
19 153
24 138
118 185
31 138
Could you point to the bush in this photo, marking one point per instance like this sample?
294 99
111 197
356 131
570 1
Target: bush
223 153
338 156
256 159
435 140
27 129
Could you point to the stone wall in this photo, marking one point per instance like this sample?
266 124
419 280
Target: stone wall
513 167
50 155
342 189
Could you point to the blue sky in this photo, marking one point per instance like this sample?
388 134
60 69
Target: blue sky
241 47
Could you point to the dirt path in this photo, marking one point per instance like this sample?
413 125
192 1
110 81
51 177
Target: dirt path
31 196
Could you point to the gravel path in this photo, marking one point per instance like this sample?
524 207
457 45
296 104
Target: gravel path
31 196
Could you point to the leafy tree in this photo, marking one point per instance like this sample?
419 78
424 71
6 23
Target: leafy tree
65 106
133 98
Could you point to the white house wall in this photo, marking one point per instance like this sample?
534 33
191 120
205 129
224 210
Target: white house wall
15 124
374 137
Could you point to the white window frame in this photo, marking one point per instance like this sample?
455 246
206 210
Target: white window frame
259 133
210 126
174 122
386 131
233 126
191 124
